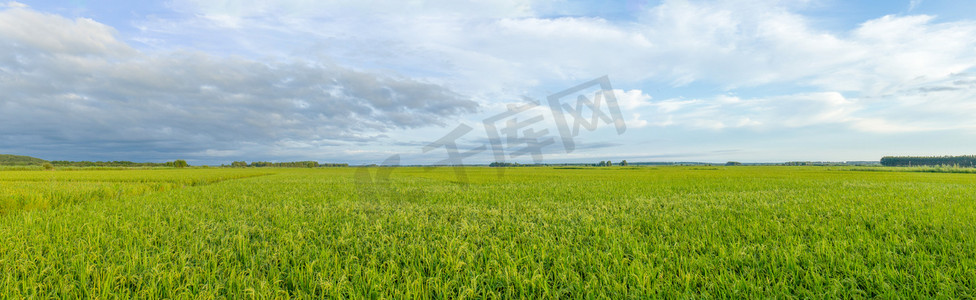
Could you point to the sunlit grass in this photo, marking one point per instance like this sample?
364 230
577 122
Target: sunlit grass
22 189
930 169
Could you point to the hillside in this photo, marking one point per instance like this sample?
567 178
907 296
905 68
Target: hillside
19 160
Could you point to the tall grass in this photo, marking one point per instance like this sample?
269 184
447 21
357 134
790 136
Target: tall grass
34 189
743 232
928 169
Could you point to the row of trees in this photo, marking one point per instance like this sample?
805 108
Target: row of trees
507 164
515 164
819 163
908 161
608 163
293 164
179 163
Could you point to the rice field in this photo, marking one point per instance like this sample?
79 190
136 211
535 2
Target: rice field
533 232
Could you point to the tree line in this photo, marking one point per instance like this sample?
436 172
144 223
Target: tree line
515 164
908 161
293 164
179 163
509 164
608 163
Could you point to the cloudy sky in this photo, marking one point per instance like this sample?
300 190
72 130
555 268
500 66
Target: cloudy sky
359 81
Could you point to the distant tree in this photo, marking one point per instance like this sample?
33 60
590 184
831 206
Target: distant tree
48 166
179 163
292 164
334 165
239 164
609 163
733 163
623 163
64 163
506 164
960 161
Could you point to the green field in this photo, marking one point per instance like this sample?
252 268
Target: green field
714 232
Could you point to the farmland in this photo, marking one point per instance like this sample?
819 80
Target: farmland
616 232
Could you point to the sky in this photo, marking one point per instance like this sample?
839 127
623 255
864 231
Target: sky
473 82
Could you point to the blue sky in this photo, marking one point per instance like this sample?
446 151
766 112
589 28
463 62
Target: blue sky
360 81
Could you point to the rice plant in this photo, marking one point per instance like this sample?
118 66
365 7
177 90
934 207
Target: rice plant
664 232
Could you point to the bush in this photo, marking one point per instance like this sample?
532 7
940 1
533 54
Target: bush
179 163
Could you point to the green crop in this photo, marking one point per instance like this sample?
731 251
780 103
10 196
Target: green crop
533 232
43 190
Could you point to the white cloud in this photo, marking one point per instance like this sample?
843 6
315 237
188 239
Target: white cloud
899 51
906 112
71 84
913 4
290 9
27 29
790 111
737 44
15 4
631 103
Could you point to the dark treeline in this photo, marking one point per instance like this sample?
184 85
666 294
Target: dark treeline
508 164
907 161
118 163
515 164
815 163
610 164
293 164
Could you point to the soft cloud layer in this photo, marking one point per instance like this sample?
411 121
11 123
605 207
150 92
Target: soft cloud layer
71 85
303 79
729 43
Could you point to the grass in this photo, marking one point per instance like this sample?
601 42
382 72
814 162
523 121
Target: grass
809 232
929 169
25 190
